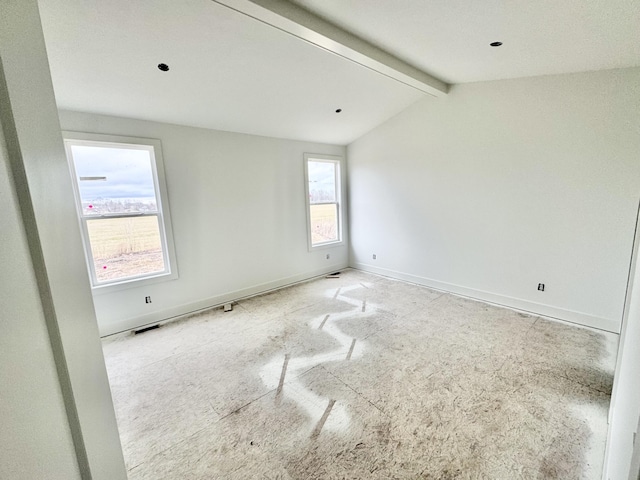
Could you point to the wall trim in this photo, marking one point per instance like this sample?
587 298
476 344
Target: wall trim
184 310
571 316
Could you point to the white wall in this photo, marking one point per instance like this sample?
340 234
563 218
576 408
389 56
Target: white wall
35 439
503 185
50 346
239 218
625 401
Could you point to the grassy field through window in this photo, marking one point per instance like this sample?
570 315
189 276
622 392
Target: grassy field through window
125 247
324 223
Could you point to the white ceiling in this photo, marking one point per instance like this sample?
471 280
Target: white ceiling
227 71
232 72
450 38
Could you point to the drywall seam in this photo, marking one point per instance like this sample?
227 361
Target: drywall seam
525 305
180 311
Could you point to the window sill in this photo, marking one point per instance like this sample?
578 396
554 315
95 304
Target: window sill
133 283
324 246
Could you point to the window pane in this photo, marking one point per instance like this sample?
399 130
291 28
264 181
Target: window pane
324 223
114 180
125 247
322 182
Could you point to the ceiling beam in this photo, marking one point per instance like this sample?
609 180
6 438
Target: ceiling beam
301 23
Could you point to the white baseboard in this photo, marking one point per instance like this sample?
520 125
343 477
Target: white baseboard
502 300
181 311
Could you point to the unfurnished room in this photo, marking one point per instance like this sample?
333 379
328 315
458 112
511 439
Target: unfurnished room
319 239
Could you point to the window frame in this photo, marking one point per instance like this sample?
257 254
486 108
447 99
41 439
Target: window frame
163 214
337 161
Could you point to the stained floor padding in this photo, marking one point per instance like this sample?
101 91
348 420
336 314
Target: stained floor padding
362 377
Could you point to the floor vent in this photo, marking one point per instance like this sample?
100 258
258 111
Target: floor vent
146 329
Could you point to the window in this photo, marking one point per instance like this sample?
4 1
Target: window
119 191
323 197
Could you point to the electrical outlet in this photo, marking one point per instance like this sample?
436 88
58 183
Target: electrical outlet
541 287
328 256
147 299
375 256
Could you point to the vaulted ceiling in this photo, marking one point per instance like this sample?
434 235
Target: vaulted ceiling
450 38
230 70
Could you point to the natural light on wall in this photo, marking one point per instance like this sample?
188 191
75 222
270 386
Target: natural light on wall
121 212
323 197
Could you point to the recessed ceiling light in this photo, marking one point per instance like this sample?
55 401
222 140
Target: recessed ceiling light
338 110
495 44
163 66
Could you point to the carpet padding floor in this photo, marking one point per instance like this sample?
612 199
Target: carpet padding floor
362 377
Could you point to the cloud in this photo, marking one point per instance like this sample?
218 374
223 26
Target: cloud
128 172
